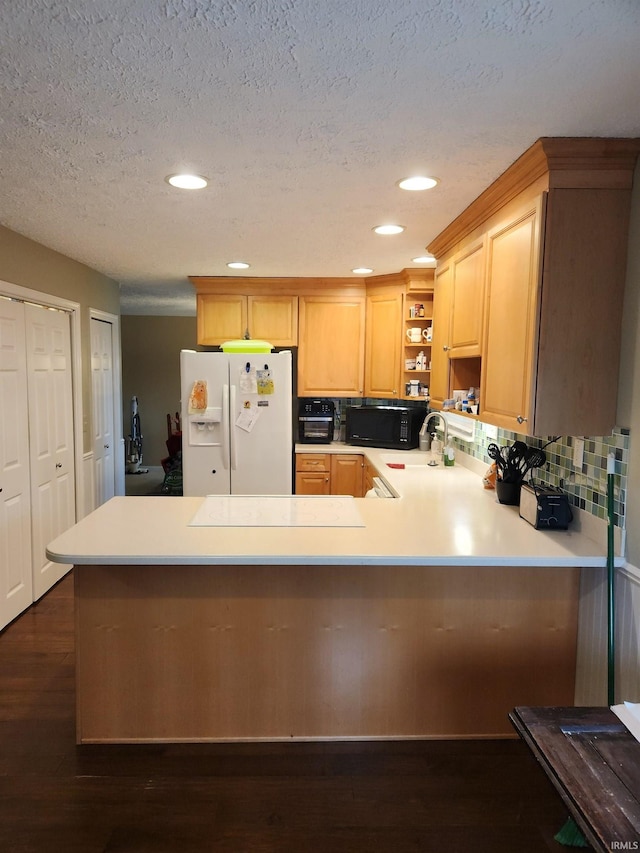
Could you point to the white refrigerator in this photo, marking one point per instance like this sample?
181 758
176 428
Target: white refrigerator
237 430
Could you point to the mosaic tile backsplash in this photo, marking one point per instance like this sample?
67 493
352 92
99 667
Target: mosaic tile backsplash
586 487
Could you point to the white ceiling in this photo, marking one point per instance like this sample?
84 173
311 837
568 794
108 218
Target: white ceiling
304 114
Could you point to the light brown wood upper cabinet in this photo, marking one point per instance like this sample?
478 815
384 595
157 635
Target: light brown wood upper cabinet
554 312
273 319
467 301
220 318
383 351
223 317
458 314
556 229
331 350
512 298
442 293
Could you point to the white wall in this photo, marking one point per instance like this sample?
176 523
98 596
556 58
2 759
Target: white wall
591 687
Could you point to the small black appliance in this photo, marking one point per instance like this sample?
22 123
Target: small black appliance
391 427
545 507
315 421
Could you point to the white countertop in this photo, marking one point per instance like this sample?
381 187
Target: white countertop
443 516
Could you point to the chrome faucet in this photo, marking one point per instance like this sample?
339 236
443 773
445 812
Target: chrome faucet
424 431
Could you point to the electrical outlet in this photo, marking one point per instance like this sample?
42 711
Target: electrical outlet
578 452
491 432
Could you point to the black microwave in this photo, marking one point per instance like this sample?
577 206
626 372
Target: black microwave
392 427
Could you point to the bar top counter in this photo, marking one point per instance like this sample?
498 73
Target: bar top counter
442 516
355 618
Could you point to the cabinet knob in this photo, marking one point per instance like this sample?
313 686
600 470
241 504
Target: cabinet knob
521 420
106 447
446 347
58 464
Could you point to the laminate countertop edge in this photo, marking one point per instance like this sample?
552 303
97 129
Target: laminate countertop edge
444 517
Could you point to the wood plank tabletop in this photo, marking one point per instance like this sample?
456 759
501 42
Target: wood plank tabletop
594 762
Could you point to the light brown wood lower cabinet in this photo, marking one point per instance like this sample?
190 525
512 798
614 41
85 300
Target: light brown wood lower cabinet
201 653
329 474
346 474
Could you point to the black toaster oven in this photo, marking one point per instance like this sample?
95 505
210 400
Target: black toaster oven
315 421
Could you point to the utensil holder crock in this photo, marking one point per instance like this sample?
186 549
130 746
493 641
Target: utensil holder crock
508 493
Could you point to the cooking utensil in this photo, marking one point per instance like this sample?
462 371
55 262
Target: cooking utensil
535 459
516 459
495 453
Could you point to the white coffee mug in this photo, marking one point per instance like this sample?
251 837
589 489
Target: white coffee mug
427 333
414 335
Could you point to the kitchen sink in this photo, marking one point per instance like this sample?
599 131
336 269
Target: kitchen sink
402 459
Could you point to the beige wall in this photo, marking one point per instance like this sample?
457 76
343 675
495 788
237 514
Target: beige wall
31 265
151 371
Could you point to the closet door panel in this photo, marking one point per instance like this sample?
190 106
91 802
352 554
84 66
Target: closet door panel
51 429
103 416
15 499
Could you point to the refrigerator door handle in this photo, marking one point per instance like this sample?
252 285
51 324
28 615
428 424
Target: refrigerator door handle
232 433
225 424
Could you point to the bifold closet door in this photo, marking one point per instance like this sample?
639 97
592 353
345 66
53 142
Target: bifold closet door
103 419
49 384
15 488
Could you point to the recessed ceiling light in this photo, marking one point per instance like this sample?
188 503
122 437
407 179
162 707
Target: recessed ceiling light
418 182
187 182
389 229
238 265
424 259
362 270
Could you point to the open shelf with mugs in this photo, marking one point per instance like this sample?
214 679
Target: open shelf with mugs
416 341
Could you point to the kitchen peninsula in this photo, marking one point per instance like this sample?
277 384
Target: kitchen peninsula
431 615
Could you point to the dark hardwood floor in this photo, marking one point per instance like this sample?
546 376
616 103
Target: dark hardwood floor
394 797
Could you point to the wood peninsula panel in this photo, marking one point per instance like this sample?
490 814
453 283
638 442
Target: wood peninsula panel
199 653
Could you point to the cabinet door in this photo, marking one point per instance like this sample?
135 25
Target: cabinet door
220 318
273 319
468 302
347 474
508 370
313 483
443 284
382 346
331 348
369 472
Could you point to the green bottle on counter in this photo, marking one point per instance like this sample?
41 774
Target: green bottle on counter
449 454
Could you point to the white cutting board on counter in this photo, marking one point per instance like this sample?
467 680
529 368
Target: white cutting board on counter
277 511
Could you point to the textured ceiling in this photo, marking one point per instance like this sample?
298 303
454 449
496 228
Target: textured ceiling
304 114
